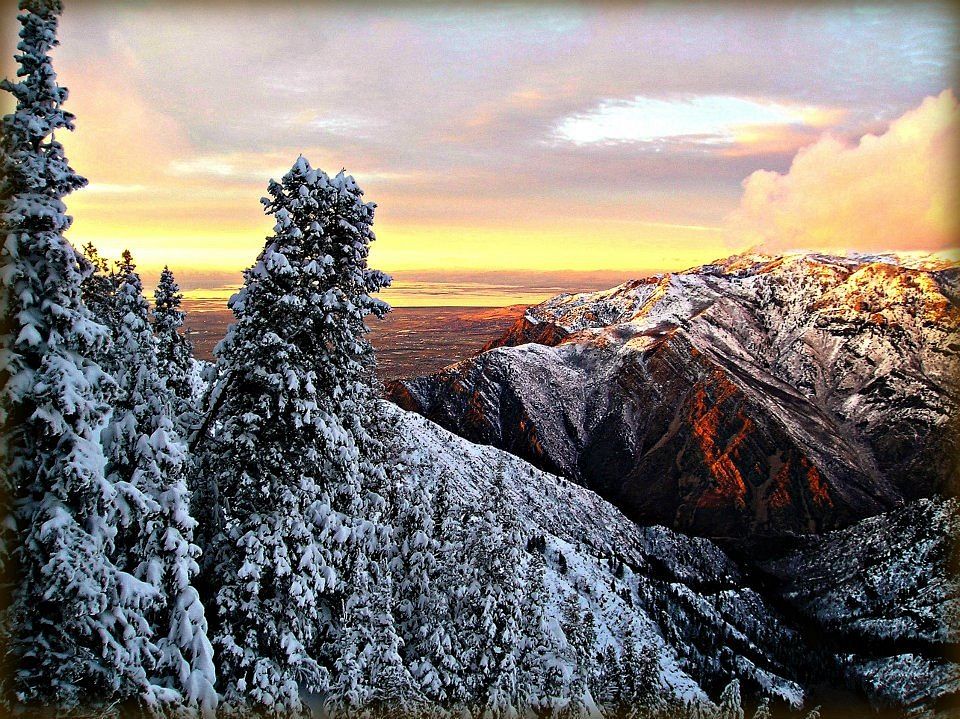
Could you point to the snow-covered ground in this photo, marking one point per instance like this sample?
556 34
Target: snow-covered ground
681 595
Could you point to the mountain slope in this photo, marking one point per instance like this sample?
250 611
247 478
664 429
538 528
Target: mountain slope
681 595
754 396
886 591
708 619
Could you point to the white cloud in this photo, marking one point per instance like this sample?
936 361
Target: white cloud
234 166
703 119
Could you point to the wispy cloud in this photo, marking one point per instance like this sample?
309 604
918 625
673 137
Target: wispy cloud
260 167
711 120
235 166
674 225
110 188
329 123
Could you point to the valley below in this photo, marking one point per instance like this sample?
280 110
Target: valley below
409 341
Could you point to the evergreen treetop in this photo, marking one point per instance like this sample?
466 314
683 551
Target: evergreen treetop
174 350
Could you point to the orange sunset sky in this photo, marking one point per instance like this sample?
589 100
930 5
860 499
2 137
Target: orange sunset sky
502 141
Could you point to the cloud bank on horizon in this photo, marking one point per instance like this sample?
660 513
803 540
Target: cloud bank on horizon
896 190
501 138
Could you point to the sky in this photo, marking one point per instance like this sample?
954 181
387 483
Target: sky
555 141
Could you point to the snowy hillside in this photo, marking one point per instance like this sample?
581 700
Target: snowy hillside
709 619
682 595
756 395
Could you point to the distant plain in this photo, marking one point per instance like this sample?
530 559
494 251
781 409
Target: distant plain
409 341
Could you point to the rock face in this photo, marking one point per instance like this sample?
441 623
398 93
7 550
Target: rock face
753 396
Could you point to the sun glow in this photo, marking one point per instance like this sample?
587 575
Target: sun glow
596 143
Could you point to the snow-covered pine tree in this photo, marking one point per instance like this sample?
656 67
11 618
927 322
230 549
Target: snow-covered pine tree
731 706
539 667
99 286
607 687
648 673
293 451
370 679
75 626
146 462
554 690
763 709
421 611
694 709
493 601
700 710
439 654
580 630
640 674
174 350
463 583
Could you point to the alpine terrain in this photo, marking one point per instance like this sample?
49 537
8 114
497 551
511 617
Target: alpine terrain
756 395
799 411
844 618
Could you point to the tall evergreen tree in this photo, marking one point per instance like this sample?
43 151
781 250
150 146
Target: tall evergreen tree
370 678
731 706
422 613
147 462
607 687
640 674
174 350
493 602
580 630
76 630
293 454
439 663
539 670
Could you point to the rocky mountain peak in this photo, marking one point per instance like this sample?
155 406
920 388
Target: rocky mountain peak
757 394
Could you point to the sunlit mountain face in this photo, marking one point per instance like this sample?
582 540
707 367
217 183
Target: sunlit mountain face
752 397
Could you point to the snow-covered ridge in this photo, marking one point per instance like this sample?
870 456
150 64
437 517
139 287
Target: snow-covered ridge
755 394
656 298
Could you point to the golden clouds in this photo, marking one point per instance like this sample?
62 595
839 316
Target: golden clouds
897 190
